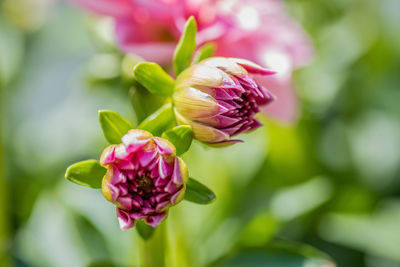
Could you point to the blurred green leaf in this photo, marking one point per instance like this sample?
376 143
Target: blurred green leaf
114 126
205 51
154 78
86 173
285 254
198 193
102 264
181 136
145 231
159 121
186 46
143 102
93 241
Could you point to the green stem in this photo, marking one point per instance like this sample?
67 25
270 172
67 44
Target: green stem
153 249
4 237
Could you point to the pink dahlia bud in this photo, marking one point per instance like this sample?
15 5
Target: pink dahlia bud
219 98
144 178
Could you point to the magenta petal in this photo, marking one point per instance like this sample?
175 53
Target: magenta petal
109 157
174 196
118 176
163 148
155 220
164 168
146 157
162 205
114 192
161 197
137 215
170 187
176 175
221 94
126 165
125 201
124 220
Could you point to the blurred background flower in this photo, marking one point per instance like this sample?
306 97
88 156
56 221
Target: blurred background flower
260 31
330 181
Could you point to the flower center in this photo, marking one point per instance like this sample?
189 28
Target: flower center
145 184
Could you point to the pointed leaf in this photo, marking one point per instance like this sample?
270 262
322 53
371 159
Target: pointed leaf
160 120
145 231
198 193
154 78
114 126
186 46
204 52
86 173
181 136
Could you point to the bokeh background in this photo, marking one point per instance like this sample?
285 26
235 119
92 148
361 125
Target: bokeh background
332 181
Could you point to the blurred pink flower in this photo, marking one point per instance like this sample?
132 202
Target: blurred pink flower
258 30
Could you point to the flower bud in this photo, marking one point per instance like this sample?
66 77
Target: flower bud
219 99
144 178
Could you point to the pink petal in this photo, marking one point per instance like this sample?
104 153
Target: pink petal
124 220
155 220
176 175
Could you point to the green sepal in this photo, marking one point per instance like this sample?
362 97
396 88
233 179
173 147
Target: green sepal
145 231
205 51
198 193
154 78
114 126
185 47
159 121
181 136
86 173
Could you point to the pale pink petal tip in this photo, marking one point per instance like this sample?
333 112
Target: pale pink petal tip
254 69
124 220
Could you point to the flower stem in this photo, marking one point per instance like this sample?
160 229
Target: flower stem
4 237
153 252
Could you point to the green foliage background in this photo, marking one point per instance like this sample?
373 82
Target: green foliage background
332 181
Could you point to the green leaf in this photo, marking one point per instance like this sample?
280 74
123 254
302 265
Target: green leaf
181 136
86 173
204 52
114 126
143 102
162 119
154 78
186 46
198 193
145 231
282 253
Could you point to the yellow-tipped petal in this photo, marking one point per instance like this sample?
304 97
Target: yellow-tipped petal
180 196
193 103
135 135
201 75
202 132
105 189
184 170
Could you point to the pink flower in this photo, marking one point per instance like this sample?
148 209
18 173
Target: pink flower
258 30
219 99
144 178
